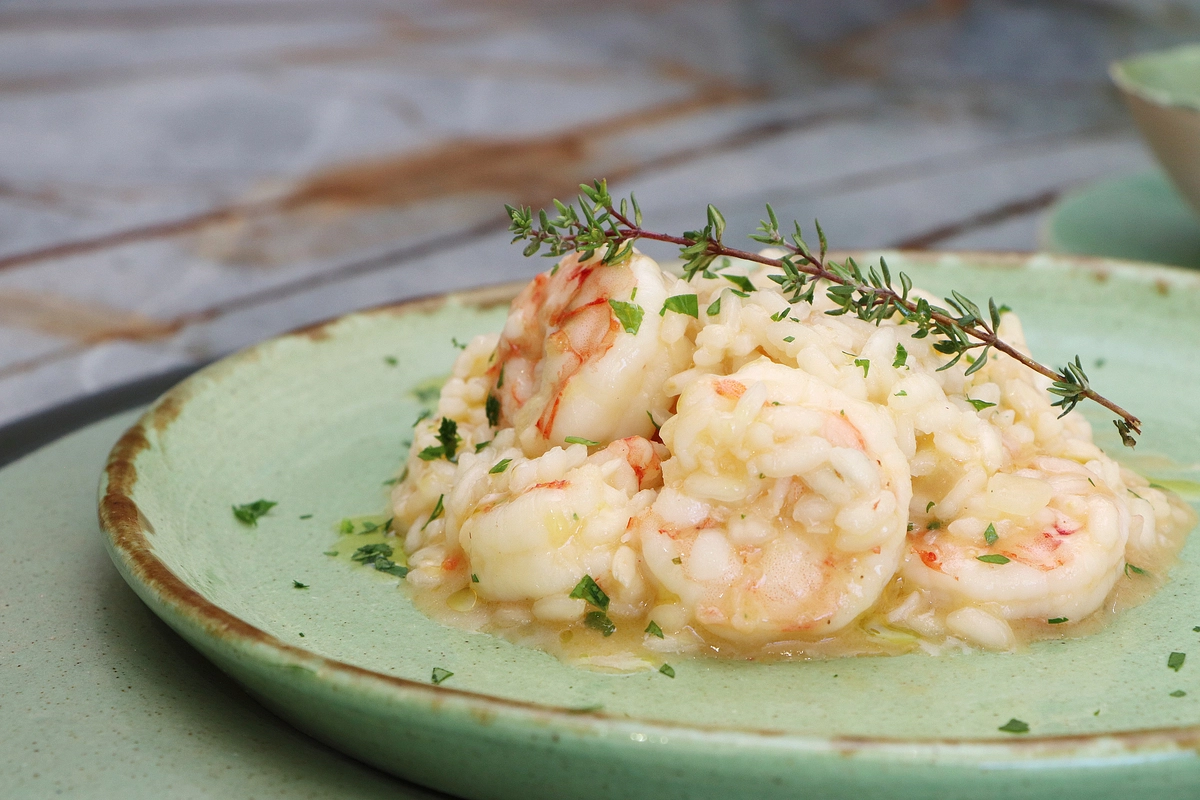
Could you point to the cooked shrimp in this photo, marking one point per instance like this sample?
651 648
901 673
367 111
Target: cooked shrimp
531 531
1058 532
785 506
568 366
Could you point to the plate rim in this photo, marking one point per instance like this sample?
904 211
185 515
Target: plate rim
125 529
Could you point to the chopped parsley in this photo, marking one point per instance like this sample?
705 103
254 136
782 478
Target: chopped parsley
306 516
448 436
994 558
682 304
740 281
654 630
789 339
598 620
865 363
901 357
474 578
492 408
590 592
677 560
460 345
980 405
501 465
668 670
346 527
628 314
1135 570
250 512
424 415
432 453
929 506
714 307
1175 661
369 552
581 440
901 393
500 377
331 552
427 394
933 524
657 427
479 446
298 585
437 511
1057 620
1178 693
390 361
440 675
782 315
1015 725
989 535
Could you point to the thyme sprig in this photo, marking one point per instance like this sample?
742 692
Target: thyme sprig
961 329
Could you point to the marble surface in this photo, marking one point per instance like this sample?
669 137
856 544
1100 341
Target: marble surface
181 179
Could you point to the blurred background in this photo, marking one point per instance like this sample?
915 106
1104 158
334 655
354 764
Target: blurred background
179 179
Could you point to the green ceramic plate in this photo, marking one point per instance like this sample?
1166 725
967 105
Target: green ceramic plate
317 421
1138 217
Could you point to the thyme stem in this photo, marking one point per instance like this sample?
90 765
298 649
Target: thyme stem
871 296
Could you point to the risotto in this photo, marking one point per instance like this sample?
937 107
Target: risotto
639 465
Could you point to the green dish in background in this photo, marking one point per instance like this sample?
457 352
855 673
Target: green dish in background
316 421
1136 217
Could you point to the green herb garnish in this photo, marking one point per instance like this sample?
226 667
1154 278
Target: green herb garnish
598 620
714 307
980 405
668 670
474 578
1057 620
677 560
933 525
590 592
501 465
682 304
424 415
1175 661
306 516
1135 570
901 357
929 506
657 427
1015 725
437 511
390 361
448 436
901 393
1178 693
440 675
628 314
994 558
432 453
654 630
492 408
298 585
740 281
989 535
480 446
346 527
865 363
782 315
789 339
581 440
369 552
250 512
